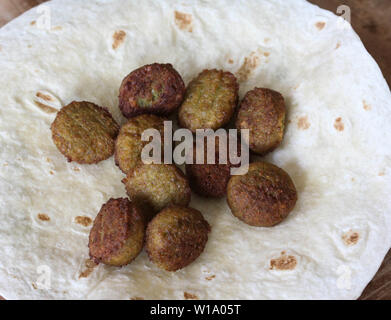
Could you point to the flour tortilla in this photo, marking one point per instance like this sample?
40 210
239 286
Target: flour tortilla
337 149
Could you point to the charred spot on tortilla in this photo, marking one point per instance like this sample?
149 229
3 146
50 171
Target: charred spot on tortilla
263 197
250 63
176 237
155 186
83 220
303 123
43 217
117 235
283 263
210 101
320 25
262 111
118 38
338 124
84 132
184 21
366 106
89 266
45 108
350 238
128 145
190 296
154 89
211 180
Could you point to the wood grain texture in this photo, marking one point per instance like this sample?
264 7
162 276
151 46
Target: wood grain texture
371 20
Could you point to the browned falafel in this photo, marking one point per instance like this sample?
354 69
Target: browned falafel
154 89
155 186
84 132
211 180
210 100
128 146
262 111
263 197
117 236
176 237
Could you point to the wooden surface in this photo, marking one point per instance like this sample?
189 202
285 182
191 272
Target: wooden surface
371 20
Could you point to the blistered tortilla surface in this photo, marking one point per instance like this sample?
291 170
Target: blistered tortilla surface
336 148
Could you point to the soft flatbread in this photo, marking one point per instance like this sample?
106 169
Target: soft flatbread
336 148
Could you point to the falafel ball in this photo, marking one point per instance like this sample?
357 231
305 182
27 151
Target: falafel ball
117 236
263 197
211 180
128 146
154 89
210 100
262 111
155 186
84 132
176 237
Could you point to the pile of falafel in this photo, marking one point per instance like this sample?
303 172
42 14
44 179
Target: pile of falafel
156 212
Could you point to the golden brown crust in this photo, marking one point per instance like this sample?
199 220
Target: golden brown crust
262 111
117 236
176 237
84 132
210 101
263 197
128 145
210 180
153 89
155 186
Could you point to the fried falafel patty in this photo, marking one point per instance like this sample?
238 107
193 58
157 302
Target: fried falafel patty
155 88
262 111
128 146
263 197
211 180
176 237
117 236
155 186
210 101
84 132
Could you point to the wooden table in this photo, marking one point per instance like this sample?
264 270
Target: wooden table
371 19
